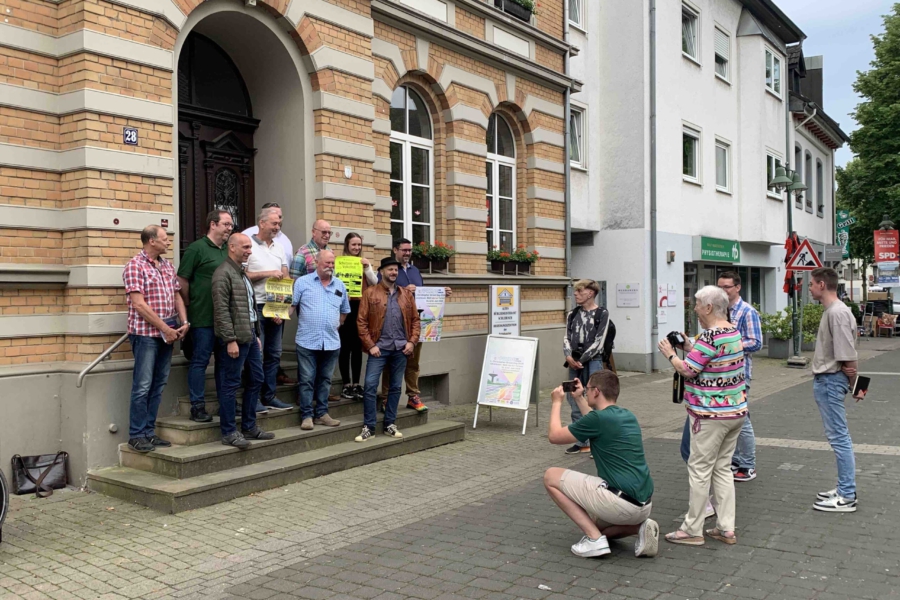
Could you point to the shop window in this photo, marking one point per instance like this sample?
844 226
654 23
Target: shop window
500 170
412 168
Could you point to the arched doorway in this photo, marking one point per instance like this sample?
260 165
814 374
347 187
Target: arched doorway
215 138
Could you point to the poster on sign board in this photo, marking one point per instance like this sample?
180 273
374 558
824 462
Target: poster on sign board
507 372
505 309
430 304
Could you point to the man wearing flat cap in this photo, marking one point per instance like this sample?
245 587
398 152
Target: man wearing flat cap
388 324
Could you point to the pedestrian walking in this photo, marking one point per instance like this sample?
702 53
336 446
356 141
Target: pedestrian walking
834 368
154 309
195 272
714 394
350 359
389 328
322 306
237 344
267 261
617 502
586 328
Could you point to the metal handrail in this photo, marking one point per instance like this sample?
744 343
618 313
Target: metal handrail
100 359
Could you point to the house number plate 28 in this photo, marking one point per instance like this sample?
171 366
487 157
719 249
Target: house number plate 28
130 136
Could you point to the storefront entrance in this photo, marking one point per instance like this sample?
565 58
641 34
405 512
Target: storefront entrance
697 276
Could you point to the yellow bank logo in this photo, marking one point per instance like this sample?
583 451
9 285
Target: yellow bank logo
505 296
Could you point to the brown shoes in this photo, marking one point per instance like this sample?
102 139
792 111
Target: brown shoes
326 420
307 424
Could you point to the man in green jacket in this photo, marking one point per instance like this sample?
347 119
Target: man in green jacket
236 324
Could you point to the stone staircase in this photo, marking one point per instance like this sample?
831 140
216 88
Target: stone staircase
198 470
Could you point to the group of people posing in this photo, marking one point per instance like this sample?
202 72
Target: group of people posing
215 306
718 441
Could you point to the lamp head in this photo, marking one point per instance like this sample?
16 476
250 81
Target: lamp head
781 179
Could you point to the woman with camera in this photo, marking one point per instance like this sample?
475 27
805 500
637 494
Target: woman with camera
583 345
716 404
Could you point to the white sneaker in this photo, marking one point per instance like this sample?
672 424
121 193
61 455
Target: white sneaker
836 504
365 435
827 495
392 431
587 547
647 543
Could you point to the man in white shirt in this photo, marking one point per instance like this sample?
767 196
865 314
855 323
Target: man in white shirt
285 243
268 260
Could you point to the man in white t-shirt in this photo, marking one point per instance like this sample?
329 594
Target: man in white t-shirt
282 239
268 260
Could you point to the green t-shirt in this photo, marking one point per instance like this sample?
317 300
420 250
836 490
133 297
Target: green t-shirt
200 261
617 448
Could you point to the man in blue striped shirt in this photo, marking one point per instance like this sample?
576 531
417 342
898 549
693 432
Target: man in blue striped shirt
746 319
321 302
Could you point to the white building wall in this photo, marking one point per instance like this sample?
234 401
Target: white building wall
807 221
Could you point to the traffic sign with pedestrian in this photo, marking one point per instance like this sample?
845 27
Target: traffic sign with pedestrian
804 259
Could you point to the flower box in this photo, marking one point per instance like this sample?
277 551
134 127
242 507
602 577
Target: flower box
514 9
523 268
779 348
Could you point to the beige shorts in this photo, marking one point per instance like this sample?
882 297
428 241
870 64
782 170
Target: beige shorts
604 507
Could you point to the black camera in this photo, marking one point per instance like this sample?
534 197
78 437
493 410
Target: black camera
676 339
569 386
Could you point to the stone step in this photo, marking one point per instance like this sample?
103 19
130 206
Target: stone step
184 432
285 393
183 462
171 495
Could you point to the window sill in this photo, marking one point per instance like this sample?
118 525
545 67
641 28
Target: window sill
578 27
691 181
724 191
577 167
773 197
723 80
774 94
691 59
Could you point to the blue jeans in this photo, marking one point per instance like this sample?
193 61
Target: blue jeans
583 375
152 359
316 367
228 381
829 390
745 450
686 439
271 337
204 339
395 362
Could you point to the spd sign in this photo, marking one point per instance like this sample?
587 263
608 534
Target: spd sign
887 247
804 259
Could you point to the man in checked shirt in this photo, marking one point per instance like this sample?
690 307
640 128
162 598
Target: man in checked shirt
154 310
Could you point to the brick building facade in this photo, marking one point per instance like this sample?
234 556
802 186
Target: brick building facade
314 130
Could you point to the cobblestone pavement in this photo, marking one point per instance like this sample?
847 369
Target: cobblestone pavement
471 520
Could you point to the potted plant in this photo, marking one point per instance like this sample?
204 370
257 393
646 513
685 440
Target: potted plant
812 315
430 258
778 327
524 259
501 262
520 9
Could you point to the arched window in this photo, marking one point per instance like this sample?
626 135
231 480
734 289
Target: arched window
500 169
412 168
808 172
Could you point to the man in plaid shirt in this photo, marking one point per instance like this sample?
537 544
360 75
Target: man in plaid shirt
304 261
746 319
154 308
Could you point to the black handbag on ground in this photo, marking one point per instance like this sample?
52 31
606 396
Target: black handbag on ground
40 474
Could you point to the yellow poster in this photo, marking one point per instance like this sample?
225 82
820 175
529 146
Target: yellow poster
279 294
349 270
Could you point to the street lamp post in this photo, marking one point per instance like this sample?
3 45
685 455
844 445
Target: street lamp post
788 180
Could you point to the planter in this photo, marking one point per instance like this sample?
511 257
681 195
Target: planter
421 263
779 348
515 10
808 346
438 265
523 268
502 267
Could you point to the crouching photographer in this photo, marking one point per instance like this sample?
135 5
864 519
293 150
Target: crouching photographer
615 503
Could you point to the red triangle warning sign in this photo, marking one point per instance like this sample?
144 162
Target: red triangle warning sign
804 259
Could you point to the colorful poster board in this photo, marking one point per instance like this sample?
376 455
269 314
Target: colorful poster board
507 372
505 309
349 270
430 303
279 295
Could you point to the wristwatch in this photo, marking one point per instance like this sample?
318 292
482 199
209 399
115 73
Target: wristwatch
671 356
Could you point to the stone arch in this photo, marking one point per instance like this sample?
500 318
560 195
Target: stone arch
274 65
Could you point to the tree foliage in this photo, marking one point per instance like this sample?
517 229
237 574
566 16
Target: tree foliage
869 186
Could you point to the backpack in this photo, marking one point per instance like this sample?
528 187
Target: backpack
608 343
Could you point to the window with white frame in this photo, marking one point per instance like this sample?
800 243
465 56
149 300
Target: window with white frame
412 168
820 189
690 31
723 54
576 13
798 167
808 172
772 163
577 149
500 169
773 72
690 152
723 166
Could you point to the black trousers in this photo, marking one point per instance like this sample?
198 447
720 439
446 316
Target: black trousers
350 359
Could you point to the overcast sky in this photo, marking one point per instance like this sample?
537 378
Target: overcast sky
840 31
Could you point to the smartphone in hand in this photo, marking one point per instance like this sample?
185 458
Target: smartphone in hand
569 386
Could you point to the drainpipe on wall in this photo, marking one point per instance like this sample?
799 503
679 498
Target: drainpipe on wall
654 330
568 194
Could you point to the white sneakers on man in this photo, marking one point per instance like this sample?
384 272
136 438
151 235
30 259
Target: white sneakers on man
647 544
588 548
831 501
